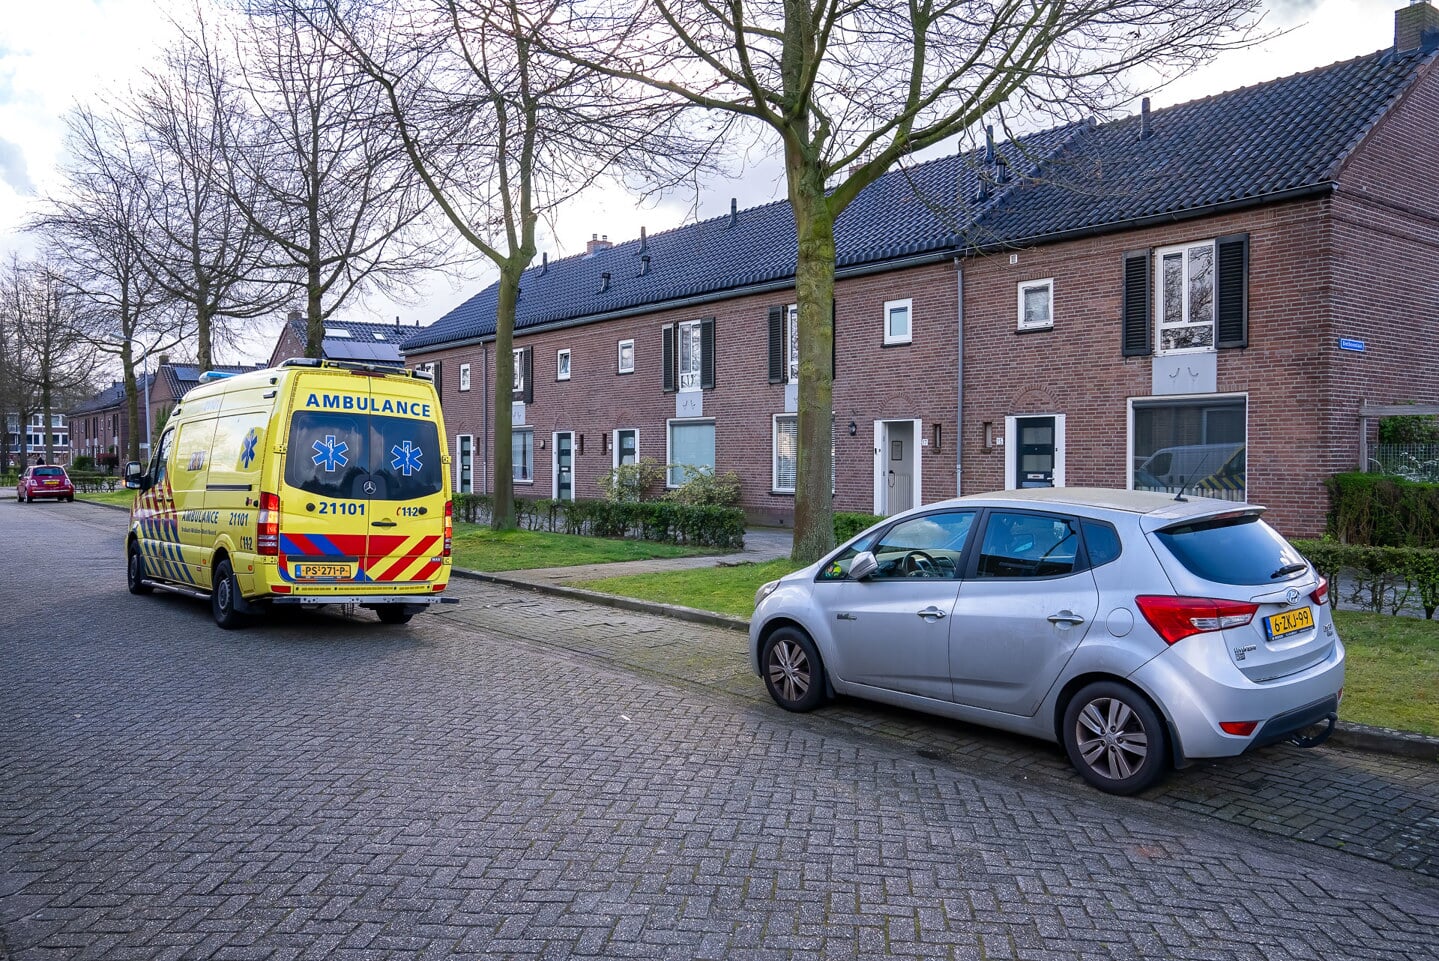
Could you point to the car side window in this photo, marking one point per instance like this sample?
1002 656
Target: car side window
1101 542
930 546
1028 545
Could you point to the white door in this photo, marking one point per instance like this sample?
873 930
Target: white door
896 466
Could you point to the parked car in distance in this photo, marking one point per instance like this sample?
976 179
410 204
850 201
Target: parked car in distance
44 481
1139 630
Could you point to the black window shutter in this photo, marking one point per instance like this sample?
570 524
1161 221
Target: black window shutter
833 337
440 379
707 353
1231 295
777 346
529 381
1138 337
668 358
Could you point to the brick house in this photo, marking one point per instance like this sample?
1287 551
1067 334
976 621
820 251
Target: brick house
1202 296
100 425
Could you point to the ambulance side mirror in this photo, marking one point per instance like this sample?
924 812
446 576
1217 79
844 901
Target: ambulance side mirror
134 475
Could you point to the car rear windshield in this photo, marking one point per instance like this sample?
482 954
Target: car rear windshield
48 472
1233 550
333 454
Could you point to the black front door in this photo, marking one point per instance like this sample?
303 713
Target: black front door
1034 452
564 488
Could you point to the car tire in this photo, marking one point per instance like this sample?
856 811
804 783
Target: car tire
135 572
394 613
793 671
1115 739
223 597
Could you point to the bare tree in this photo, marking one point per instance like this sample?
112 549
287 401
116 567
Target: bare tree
202 249
54 358
502 134
95 229
15 397
317 169
849 89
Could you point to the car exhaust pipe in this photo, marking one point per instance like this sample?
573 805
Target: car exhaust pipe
1305 740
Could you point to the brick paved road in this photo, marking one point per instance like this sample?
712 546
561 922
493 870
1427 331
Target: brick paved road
330 787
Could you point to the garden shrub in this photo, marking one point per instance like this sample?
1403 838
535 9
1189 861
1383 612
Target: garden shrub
847 524
1383 579
1383 511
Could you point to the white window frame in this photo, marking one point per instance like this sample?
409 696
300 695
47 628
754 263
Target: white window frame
515 432
620 367
1160 303
791 349
1023 288
562 364
517 369
774 483
688 338
615 444
670 464
464 377
460 455
889 307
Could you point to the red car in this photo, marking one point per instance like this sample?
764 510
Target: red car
44 481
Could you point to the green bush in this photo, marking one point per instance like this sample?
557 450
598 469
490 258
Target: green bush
632 483
1409 429
83 462
702 488
1383 511
1383 579
846 525
663 521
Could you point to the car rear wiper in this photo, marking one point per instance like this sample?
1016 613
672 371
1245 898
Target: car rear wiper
1289 569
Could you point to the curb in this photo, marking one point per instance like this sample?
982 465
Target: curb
1358 737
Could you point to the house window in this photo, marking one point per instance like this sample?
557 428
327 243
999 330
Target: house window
1184 296
1190 445
465 463
786 454
562 365
626 362
522 453
783 344
690 355
464 377
627 447
517 381
792 342
1036 304
897 321
691 444
522 387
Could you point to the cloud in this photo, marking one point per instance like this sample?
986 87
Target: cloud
12 168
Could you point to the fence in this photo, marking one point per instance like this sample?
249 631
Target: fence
1415 462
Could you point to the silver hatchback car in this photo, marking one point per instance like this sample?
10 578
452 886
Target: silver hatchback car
1137 629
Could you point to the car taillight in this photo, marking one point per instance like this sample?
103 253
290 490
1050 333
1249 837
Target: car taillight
1320 594
267 536
449 525
1175 618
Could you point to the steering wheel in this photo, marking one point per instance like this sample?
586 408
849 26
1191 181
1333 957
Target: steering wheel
917 563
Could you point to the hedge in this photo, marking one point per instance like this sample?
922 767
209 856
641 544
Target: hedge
1384 511
846 525
1383 579
663 521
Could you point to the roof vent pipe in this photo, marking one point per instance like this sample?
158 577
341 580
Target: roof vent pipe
1144 129
733 211
989 143
644 241
544 263
604 281
1001 170
644 264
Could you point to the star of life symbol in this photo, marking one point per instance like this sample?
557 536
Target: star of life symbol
330 454
406 458
247 448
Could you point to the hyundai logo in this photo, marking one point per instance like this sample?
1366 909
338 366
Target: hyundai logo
1290 596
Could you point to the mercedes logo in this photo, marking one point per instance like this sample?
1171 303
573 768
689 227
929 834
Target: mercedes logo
370 488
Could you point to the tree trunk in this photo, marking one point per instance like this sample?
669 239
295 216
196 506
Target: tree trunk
204 312
314 322
814 293
132 407
502 517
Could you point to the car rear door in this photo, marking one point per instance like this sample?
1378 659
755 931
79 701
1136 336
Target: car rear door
407 459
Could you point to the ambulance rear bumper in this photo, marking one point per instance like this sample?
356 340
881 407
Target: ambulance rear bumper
365 600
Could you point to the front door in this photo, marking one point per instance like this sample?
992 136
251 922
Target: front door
564 466
896 467
1034 452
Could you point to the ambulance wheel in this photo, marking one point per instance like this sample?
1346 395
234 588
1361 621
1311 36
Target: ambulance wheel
394 613
135 572
222 598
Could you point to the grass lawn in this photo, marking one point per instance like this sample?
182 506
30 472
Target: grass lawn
124 496
478 548
1392 678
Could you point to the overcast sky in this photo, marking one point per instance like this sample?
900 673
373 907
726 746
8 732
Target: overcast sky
57 53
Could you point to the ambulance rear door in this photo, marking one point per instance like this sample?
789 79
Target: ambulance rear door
407 509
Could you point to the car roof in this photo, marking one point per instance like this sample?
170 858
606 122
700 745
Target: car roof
1157 509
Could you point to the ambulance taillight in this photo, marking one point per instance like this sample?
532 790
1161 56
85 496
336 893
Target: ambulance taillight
449 525
267 539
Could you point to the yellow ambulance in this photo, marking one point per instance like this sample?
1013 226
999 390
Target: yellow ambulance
314 482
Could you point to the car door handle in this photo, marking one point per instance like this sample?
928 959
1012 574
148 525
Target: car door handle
382 524
1065 617
931 613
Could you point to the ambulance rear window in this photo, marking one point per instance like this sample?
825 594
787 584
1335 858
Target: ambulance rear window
335 454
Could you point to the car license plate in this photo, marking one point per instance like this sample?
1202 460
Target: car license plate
1289 622
316 571
52 483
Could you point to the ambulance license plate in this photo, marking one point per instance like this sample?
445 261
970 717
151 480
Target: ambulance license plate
317 571
1289 622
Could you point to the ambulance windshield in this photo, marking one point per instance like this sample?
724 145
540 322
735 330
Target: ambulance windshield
335 454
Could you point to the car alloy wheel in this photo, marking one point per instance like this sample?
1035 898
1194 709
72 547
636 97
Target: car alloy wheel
1114 738
792 670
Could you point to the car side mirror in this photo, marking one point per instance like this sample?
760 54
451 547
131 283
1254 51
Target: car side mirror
134 475
862 566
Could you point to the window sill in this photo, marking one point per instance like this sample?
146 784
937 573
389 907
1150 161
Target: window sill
779 492
897 343
1036 329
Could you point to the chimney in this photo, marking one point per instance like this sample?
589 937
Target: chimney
733 211
294 315
597 243
1145 132
164 359
1416 27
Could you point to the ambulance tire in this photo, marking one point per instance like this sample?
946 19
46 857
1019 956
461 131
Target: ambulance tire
135 572
394 613
222 598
